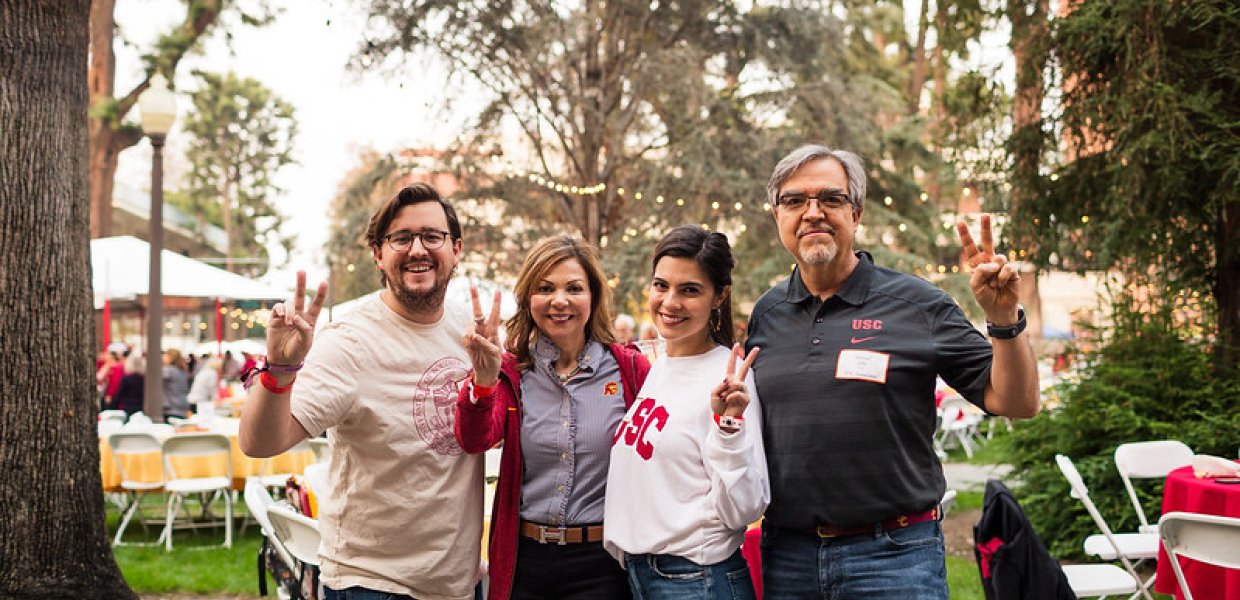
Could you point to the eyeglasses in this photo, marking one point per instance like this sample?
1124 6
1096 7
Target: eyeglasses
799 202
432 239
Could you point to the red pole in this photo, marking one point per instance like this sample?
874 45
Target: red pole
107 322
219 329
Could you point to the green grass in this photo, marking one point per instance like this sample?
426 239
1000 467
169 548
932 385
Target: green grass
968 500
963 580
193 566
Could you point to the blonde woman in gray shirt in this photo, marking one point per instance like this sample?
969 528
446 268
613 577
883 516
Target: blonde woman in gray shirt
555 399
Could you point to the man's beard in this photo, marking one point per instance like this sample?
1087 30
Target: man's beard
419 301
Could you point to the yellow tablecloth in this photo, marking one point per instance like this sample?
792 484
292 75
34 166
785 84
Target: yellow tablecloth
148 467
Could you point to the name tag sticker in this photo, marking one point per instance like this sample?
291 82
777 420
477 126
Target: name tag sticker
864 365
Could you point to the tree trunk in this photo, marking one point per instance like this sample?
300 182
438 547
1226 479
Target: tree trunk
918 79
52 538
1029 34
226 191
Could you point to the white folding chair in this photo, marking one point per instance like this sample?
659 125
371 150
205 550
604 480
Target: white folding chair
298 533
1099 581
946 504
1126 547
1149 460
218 484
958 420
258 500
277 480
133 444
1207 538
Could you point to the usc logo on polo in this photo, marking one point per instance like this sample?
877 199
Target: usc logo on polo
867 324
633 430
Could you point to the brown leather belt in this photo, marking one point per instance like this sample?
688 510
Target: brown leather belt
545 534
900 522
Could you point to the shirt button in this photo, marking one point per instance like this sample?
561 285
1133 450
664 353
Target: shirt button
566 423
563 456
559 488
817 341
818 320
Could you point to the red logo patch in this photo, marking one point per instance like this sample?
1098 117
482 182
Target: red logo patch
611 388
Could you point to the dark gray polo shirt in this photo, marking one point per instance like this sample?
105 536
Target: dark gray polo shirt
847 389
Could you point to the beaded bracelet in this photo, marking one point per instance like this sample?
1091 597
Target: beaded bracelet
247 378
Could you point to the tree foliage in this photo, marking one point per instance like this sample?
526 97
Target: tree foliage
241 135
678 111
109 134
1151 179
1150 380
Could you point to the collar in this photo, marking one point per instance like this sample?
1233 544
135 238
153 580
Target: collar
854 290
546 353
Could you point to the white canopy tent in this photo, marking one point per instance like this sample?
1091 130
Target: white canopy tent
121 271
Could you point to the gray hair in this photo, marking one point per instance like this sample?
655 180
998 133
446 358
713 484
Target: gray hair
854 170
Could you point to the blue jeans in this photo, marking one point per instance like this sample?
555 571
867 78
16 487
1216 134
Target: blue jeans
901 564
361 593
667 577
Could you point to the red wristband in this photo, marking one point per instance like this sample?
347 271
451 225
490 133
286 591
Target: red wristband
269 381
483 392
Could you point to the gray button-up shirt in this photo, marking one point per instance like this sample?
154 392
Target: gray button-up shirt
566 432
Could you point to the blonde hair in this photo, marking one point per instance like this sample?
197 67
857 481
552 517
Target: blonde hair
546 254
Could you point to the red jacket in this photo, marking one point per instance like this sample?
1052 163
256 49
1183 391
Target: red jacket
480 426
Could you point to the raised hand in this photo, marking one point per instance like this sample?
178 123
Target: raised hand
730 397
482 343
994 280
290 331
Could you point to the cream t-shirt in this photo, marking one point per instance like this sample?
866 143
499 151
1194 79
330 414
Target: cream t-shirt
404 510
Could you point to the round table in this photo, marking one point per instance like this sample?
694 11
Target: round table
1184 492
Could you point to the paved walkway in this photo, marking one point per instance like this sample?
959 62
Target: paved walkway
965 476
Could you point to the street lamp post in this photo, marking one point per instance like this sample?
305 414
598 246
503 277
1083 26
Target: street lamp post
159 108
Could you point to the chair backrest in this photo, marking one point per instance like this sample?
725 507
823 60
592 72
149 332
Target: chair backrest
1080 492
258 500
1149 460
196 445
1207 538
298 533
125 443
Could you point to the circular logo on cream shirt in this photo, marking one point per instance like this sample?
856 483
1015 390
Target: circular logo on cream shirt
434 404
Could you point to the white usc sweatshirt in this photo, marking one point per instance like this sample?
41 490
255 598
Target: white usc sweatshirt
677 484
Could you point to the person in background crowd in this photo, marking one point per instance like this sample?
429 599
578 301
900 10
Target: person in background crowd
191 368
249 362
110 374
626 329
176 384
850 351
206 387
555 399
230 368
688 474
402 515
131 390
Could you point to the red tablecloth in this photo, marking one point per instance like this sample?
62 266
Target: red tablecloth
1185 493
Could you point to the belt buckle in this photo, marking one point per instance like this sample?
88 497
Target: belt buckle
825 533
547 535
902 521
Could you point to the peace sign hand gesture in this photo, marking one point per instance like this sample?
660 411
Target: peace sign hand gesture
290 331
994 279
730 398
482 343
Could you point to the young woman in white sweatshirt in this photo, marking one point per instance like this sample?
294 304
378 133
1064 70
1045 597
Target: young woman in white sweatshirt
688 471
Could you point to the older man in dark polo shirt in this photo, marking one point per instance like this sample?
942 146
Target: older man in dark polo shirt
850 351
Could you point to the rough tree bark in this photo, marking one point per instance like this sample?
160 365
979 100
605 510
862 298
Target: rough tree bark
52 538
